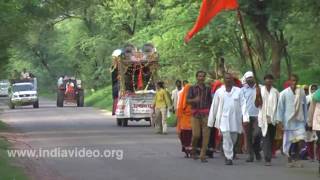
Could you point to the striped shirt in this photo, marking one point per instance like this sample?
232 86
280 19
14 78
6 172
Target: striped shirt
203 106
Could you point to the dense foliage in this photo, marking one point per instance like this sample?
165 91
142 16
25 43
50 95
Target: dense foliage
77 37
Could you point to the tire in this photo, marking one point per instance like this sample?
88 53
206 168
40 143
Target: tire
36 104
125 122
149 119
11 105
80 99
60 98
119 122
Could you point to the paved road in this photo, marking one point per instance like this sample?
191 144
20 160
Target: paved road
147 156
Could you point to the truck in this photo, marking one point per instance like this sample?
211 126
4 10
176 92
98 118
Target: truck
23 93
134 73
70 90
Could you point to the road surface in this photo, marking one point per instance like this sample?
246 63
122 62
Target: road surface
146 155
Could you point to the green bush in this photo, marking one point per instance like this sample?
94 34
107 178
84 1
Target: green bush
101 98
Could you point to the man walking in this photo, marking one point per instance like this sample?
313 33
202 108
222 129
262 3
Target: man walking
199 97
175 95
292 112
162 103
253 132
225 115
267 115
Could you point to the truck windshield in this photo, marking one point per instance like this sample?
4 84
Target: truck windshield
24 87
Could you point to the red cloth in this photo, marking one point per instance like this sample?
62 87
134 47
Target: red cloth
209 9
140 80
237 83
310 149
286 84
215 86
69 89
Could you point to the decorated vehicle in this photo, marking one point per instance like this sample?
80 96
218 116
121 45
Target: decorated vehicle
70 91
23 93
134 73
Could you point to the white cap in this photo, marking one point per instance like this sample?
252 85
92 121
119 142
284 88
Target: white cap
248 75
116 53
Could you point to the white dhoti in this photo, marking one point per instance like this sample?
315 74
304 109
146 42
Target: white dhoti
292 136
229 140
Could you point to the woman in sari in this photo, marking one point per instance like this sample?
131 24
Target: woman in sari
184 129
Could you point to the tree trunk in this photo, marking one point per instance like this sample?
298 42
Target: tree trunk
276 58
277 48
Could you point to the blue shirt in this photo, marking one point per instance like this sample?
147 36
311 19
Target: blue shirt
248 96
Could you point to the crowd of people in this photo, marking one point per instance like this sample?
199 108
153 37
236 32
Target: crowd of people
23 75
234 117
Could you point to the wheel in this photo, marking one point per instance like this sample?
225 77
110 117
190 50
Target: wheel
125 122
11 105
149 119
36 104
80 99
60 98
119 122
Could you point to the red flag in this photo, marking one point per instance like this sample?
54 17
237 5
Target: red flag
209 9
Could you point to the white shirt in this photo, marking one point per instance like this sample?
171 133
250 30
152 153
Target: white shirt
286 108
248 96
225 112
268 110
174 97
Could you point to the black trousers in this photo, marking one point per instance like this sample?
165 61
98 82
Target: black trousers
254 138
268 142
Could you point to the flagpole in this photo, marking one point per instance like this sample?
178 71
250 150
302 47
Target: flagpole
247 44
258 100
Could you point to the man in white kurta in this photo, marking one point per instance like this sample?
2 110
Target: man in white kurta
252 130
225 115
267 116
292 112
175 95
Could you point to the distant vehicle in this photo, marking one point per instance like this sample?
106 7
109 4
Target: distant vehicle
70 90
23 93
4 88
134 73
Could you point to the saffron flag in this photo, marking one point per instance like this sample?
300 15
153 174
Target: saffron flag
209 9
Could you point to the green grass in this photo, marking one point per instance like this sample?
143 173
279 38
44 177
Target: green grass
101 98
47 94
3 126
7 170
